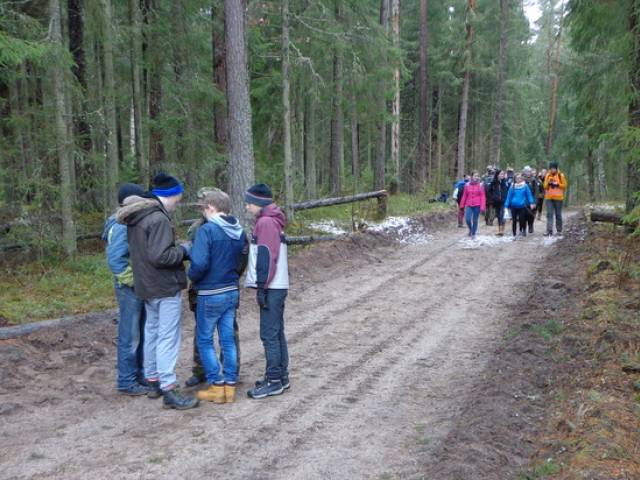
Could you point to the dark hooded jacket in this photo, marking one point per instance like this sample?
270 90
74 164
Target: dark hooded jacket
157 262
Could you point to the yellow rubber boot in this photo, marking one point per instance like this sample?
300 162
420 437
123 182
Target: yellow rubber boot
215 394
229 393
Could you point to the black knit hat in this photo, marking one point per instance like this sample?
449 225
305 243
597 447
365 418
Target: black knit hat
259 194
127 190
553 165
166 186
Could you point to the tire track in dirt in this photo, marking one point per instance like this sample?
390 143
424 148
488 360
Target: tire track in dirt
381 359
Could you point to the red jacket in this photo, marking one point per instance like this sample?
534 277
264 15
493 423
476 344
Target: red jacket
474 196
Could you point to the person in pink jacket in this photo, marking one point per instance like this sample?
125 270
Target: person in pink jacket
474 202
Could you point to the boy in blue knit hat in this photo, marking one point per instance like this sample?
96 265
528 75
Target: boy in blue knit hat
159 278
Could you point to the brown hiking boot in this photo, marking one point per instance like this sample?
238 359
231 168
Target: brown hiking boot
229 393
215 394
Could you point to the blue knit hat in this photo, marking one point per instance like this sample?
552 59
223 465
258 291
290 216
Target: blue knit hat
259 194
166 186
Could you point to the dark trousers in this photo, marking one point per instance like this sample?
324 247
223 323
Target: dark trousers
531 217
518 217
554 208
272 335
499 206
539 203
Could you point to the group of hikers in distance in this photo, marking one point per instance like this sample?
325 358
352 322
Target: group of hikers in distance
504 193
150 274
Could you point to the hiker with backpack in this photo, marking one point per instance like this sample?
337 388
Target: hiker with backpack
519 198
555 184
458 190
498 191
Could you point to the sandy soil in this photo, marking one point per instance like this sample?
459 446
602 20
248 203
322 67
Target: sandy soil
402 366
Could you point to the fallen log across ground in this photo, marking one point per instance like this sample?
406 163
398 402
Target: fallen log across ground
325 202
607 216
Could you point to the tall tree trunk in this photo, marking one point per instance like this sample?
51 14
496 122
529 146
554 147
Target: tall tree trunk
110 106
336 158
440 134
381 150
395 106
355 143
220 127
633 168
496 143
464 104
142 159
76 46
554 86
423 141
591 175
286 113
310 181
241 162
155 61
62 140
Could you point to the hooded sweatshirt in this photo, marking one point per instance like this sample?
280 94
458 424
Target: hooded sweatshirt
158 271
217 255
519 196
268 267
554 192
115 236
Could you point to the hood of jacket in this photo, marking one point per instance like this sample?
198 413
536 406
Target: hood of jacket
111 221
135 208
273 211
229 225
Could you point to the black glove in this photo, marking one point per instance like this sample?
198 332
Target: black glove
261 296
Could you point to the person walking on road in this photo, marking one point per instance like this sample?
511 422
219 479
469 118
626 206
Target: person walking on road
131 317
473 202
555 184
539 194
519 198
268 273
217 255
159 278
498 191
531 180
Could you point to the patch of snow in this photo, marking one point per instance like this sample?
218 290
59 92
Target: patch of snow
548 241
405 230
328 226
610 207
484 241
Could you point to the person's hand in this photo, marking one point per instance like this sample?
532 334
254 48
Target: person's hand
261 297
186 248
533 206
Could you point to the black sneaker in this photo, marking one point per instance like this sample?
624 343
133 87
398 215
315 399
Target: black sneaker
135 390
194 380
286 385
531 229
154 390
266 389
175 399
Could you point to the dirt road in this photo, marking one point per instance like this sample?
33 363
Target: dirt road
389 344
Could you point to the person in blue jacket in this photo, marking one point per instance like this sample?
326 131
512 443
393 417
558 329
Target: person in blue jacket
131 308
521 201
218 257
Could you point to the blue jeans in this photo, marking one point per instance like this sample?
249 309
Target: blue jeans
471 217
554 207
218 311
162 335
130 336
273 337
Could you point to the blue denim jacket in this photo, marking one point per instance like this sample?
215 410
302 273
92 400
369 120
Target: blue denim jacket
115 235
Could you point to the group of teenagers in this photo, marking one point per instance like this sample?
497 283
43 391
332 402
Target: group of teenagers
150 272
522 195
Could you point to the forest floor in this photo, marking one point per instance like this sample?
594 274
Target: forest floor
439 358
